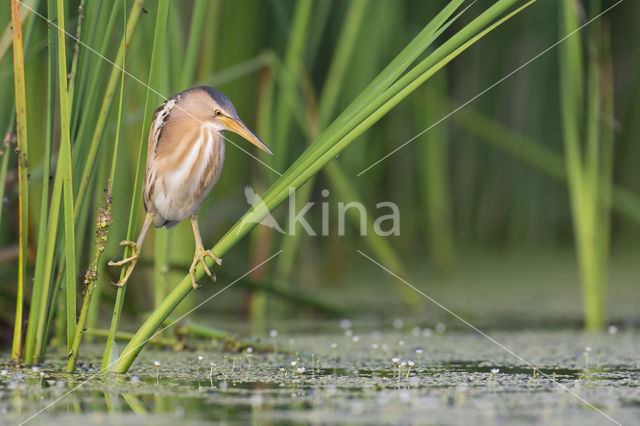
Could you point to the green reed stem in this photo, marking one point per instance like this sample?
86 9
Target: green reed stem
584 168
76 51
6 154
64 168
91 82
193 43
21 115
103 222
292 73
435 181
7 35
3 173
107 101
293 65
158 45
39 297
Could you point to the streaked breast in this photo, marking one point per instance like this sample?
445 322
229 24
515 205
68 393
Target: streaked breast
182 175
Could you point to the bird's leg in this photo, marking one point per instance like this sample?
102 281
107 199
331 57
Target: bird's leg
200 254
135 250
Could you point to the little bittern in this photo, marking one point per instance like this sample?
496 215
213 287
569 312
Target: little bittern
185 153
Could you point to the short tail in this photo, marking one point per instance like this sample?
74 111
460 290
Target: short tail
159 222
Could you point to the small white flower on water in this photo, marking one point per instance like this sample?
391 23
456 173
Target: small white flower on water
348 333
200 357
273 333
495 370
398 323
35 369
249 350
587 349
334 345
42 374
403 364
612 329
293 363
401 343
356 339
441 328
300 370
134 379
212 364
156 363
4 372
395 360
282 370
345 324
419 351
374 346
411 363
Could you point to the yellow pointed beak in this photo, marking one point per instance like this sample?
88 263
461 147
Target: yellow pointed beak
237 126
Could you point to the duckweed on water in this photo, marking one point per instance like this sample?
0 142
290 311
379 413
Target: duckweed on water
460 378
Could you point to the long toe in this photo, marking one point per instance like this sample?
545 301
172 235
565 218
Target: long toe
192 273
194 283
206 268
213 256
123 261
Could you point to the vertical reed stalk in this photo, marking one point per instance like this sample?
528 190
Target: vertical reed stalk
64 168
54 209
607 137
193 43
292 74
7 34
6 153
293 66
435 179
75 54
158 45
89 161
23 152
581 119
38 297
103 222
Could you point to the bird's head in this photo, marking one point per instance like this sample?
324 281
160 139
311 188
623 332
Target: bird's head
221 115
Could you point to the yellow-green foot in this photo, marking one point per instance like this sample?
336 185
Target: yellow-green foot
131 260
199 257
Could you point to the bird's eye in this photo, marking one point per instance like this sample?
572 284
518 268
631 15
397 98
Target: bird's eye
218 113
